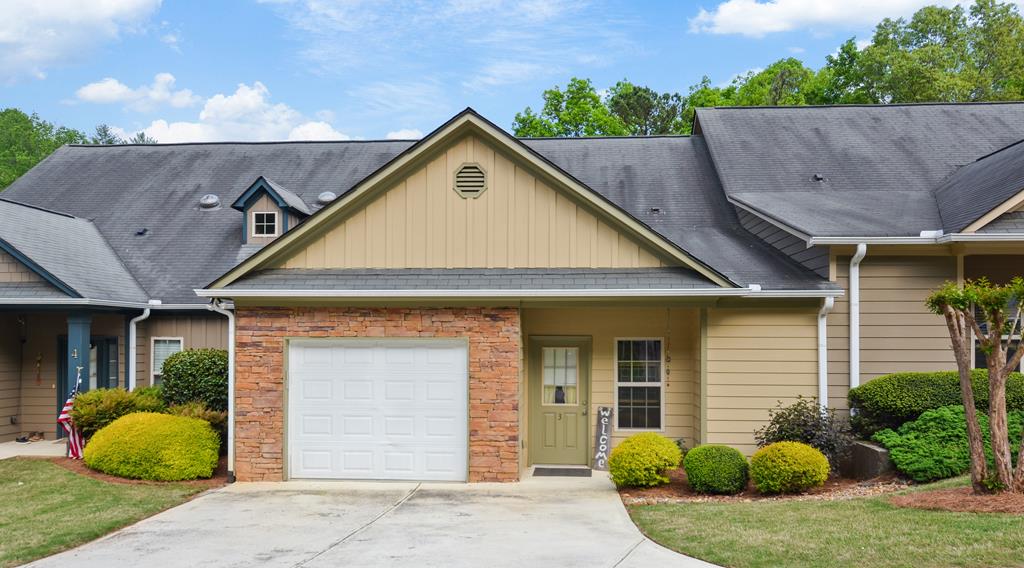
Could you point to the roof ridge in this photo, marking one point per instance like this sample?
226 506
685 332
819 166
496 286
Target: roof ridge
994 152
38 208
243 143
869 105
603 137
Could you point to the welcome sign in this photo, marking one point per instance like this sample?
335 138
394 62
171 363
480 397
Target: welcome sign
603 438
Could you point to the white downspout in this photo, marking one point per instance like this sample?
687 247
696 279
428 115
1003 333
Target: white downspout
862 250
133 348
217 306
826 306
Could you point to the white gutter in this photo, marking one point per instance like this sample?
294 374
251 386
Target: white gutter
826 306
97 303
133 347
220 309
927 238
862 250
753 290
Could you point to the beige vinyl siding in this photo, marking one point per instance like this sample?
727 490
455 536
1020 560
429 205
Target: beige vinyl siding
198 331
10 375
679 328
755 358
39 397
897 332
518 222
12 270
814 258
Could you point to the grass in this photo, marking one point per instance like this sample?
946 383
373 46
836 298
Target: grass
45 508
857 532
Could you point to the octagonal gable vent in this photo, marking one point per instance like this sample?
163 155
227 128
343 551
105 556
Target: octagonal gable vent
470 181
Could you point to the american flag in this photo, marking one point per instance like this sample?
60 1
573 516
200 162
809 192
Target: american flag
74 437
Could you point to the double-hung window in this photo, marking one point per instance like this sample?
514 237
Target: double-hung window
639 384
164 347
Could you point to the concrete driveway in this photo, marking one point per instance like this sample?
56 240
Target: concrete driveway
539 522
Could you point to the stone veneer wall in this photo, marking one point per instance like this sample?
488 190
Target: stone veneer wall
494 358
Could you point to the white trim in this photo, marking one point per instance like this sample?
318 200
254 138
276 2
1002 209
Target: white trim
615 384
952 238
152 354
750 291
97 303
826 306
252 224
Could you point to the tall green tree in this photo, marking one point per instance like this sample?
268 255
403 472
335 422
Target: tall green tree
26 139
645 111
576 111
105 135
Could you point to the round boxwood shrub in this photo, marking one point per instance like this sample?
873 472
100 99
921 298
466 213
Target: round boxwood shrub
196 375
892 400
788 467
642 459
713 468
935 445
218 419
97 408
158 447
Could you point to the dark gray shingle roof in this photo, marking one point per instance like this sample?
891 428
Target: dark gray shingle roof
70 249
293 201
29 290
475 279
979 187
860 151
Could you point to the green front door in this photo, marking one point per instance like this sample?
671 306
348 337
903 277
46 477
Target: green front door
559 385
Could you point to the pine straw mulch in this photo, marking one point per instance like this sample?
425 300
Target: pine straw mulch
961 500
219 479
835 489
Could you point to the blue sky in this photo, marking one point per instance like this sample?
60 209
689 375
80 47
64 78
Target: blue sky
193 70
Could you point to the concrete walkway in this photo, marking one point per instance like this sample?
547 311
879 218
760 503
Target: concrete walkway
539 522
42 448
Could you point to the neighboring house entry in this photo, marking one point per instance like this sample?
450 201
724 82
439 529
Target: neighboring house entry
559 385
102 371
378 409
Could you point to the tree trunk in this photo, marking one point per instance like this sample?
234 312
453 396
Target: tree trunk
963 350
1018 477
997 426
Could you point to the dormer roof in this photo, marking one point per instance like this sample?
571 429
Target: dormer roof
285 199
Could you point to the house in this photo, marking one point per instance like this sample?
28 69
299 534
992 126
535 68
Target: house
460 307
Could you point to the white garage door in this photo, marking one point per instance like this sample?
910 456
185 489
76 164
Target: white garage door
378 409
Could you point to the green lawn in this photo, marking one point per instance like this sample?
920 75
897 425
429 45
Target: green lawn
858 532
45 508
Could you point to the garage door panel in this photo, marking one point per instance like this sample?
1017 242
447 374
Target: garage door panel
390 409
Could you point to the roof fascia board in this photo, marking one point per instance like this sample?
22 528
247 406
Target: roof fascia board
250 195
464 123
953 238
750 291
768 218
88 302
1004 207
38 270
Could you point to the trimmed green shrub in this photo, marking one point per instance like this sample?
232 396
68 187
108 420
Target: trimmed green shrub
196 375
805 421
97 408
713 468
891 400
935 445
152 391
788 467
642 459
218 419
157 447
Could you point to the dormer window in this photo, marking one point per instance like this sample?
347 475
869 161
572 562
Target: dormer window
264 224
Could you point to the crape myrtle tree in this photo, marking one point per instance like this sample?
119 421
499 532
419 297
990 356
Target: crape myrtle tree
991 313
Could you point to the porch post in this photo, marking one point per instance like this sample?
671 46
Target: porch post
79 325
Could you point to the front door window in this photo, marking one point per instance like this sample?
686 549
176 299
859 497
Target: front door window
560 375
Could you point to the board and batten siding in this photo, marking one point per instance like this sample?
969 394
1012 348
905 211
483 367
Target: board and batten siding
756 357
206 330
897 332
814 258
680 329
10 375
518 222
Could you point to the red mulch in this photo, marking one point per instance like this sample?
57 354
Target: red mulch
677 489
961 500
220 475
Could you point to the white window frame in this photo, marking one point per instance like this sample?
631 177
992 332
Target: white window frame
153 371
616 383
252 224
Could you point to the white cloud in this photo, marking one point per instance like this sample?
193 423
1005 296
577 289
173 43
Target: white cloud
404 134
38 34
795 50
506 73
757 18
172 41
245 115
144 98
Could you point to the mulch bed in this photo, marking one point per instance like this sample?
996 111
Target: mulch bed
961 500
835 489
219 479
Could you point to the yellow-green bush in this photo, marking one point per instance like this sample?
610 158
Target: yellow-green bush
713 468
642 459
158 447
788 467
218 419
